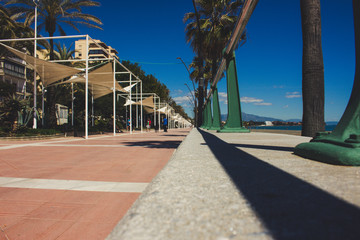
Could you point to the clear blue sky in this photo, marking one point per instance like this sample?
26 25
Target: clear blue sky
268 65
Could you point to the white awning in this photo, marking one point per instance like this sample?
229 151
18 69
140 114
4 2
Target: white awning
129 102
128 88
163 110
49 72
149 102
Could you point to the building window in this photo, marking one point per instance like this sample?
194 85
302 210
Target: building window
96 52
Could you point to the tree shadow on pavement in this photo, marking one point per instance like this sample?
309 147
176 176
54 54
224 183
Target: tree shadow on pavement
153 144
275 148
289 207
173 135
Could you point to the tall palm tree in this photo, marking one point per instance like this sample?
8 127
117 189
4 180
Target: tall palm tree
312 69
196 39
221 17
195 71
216 20
53 14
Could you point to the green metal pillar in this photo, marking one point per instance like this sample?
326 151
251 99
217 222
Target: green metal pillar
204 119
234 119
208 115
216 122
342 146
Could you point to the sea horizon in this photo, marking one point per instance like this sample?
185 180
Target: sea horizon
287 127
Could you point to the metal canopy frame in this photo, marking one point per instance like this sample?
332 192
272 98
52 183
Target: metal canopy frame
142 96
86 60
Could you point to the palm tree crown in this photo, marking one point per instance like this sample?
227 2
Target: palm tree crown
54 13
217 19
11 28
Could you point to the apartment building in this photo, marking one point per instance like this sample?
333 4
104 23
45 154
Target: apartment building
95 52
13 71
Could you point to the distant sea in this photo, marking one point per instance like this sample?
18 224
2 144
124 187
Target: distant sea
298 128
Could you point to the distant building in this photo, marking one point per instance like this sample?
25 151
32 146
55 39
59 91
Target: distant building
43 54
268 123
95 52
13 71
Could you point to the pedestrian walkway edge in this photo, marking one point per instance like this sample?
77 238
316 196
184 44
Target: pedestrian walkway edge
154 202
186 199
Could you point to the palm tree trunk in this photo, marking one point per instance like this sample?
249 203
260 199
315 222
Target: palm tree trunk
201 70
51 101
312 69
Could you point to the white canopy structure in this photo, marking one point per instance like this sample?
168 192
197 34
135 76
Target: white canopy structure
149 102
128 88
129 102
101 80
163 110
49 72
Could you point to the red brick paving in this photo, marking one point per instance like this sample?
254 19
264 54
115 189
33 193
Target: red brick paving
63 214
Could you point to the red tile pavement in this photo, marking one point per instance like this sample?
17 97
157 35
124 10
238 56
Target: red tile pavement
64 214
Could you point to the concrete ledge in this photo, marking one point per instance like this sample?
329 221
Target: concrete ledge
245 186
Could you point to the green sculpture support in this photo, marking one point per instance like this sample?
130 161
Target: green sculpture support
204 122
208 115
216 120
234 119
342 146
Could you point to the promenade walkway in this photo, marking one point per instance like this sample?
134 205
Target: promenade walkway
245 186
72 188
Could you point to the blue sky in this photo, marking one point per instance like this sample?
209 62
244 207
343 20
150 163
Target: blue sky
268 65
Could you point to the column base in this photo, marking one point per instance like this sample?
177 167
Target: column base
234 130
329 153
214 128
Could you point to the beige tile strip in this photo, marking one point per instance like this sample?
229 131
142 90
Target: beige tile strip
74 185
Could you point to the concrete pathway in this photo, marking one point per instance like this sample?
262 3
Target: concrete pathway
245 186
72 188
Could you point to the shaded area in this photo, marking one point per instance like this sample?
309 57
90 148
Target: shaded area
289 207
174 135
153 144
275 148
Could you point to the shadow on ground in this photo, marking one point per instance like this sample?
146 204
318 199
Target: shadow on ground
173 135
153 144
275 148
289 207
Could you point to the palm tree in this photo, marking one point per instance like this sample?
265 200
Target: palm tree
207 74
196 39
208 32
312 69
10 28
63 52
220 21
52 14
8 24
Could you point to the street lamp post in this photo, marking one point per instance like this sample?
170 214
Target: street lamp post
192 95
35 43
195 103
